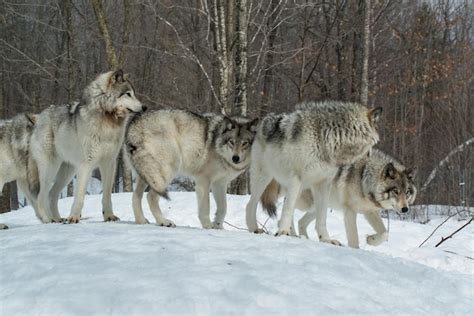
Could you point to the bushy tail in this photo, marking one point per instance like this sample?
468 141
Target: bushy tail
147 167
33 176
270 197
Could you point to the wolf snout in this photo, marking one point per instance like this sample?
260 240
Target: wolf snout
404 209
235 158
144 108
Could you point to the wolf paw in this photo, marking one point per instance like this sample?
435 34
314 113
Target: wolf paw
206 225
142 221
73 219
166 223
58 220
110 218
332 242
216 225
3 226
283 232
376 239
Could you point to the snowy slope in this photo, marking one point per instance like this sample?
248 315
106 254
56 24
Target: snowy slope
123 268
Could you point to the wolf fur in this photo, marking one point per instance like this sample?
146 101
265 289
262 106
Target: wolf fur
16 162
303 150
80 138
213 149
365 187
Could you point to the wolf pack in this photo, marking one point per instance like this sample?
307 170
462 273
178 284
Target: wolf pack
317 157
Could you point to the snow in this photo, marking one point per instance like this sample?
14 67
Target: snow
123 268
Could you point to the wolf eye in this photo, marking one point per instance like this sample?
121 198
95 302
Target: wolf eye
245 143
409 192
395 191
231 142
129 94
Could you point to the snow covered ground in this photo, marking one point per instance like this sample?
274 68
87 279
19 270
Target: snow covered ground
123 268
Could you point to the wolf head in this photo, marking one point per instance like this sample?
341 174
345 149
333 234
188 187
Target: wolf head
235 140
396 188
112 93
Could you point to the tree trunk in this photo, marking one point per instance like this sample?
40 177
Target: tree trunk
222 54
5 199
240 99
364 89
240 184
71 73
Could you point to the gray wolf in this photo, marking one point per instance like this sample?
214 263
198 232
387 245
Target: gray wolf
213 149
304 149
365 187
16 163
79 138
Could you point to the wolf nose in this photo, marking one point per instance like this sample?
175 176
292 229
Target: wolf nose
404 209
144 108
235 159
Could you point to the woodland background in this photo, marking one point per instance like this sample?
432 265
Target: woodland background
413 58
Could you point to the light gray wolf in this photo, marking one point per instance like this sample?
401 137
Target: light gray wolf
80 138
213 149
15 159
365 187
304 149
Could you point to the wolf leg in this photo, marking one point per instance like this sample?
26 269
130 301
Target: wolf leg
63 177
259 180
32 199
47 172
219 192
303 223
137 197
293 190
107 172
320 207
375 221
202 193
153 201
350 221
83 177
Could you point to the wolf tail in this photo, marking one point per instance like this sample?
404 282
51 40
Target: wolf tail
145 164
269 197
33 176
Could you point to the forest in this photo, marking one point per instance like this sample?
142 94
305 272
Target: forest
413 58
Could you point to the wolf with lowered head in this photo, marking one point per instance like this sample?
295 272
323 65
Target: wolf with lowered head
304 149
70 139
213 149
366 186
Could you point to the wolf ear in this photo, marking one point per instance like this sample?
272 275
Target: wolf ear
374 115
389 171
31 118
127 77
117 76
252 125
411 173
229 123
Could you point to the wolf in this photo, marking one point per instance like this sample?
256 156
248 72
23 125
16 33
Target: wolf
15 158
213 149
366 186
79 138
304 149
